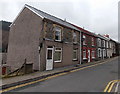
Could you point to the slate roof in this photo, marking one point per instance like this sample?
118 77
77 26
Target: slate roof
103 37
85 31
50 17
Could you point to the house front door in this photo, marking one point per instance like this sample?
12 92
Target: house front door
49 59
88 55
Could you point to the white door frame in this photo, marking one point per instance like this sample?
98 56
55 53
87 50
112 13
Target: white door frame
49 63
88 55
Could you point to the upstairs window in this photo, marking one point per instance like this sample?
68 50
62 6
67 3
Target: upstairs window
74 37
84 40
99 42
93 41
107 44
75 54
103 43
58 55
110 44
57 31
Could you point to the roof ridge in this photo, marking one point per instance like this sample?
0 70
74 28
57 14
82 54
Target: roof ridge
46 13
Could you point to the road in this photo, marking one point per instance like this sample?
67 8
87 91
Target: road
92 79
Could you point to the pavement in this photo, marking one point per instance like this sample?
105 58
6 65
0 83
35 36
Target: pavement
13 81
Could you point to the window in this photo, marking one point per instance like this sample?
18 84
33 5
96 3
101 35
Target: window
99 42
74 37
104 52
107 44
93 42
103 43
75 54
110 44
93 53
58 55
84 40
84 54
49 54
99 52
57 31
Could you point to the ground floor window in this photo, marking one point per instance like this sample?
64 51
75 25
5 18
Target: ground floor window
93 53
75 54
58 54
104 53
99 52
84 54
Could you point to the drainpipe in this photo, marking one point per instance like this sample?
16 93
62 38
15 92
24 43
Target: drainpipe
39 56
80 47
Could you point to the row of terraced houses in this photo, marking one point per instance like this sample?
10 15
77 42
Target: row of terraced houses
46 42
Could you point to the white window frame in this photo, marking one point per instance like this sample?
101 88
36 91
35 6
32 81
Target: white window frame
56 50
74 37
84 51
84 41
107 44
92 53
99 42
104 52
93 41
103 43
99 54
58 29
75 50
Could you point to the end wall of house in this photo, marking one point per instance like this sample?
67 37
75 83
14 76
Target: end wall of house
24 40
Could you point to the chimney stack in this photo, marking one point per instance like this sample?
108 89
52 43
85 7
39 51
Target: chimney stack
106 35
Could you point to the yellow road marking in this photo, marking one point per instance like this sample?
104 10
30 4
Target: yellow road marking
105 90
86 67
109 90
110 85
22 85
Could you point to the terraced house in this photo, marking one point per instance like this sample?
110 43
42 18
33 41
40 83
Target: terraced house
88 45
44 41
103 47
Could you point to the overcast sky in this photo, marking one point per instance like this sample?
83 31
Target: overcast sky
99 16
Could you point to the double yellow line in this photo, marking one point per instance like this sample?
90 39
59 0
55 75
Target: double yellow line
110 85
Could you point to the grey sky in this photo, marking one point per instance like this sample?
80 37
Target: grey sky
99 16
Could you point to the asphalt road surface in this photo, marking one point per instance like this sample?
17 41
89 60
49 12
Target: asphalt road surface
93 79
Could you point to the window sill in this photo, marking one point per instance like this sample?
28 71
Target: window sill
74 42
58 40
84 58
49 39
57 61
75 59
